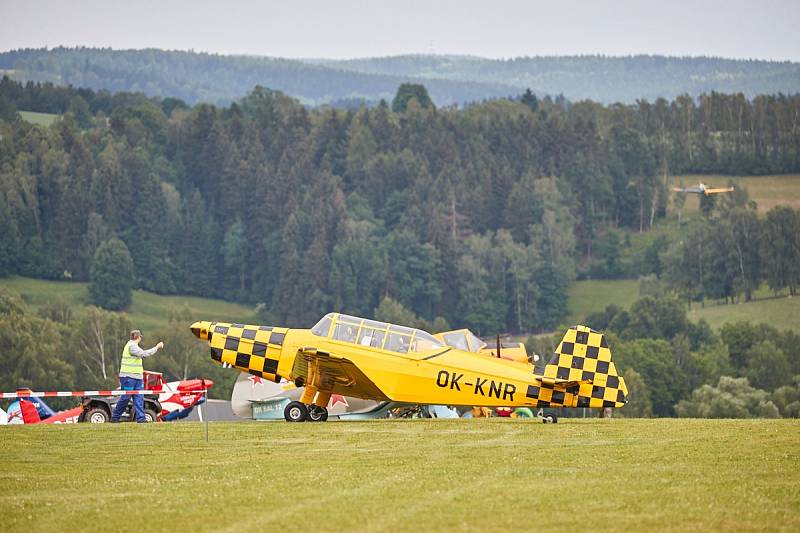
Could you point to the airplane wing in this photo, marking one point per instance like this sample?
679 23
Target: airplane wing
723 189
335 373
696 190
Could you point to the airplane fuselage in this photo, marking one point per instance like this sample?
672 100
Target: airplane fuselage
442 375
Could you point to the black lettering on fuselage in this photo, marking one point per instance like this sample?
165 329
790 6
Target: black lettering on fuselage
443 378
479 383
494 389
454 382
509 390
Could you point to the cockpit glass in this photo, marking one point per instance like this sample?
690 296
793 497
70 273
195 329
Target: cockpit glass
345 332
457 340
371 337
424 341
322 327
376 334
475 342
349 319
397 342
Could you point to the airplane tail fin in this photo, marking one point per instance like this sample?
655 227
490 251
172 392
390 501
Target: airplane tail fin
583 357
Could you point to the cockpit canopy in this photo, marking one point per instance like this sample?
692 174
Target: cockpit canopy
365 332
462 339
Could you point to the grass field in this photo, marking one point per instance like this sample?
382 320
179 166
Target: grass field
585 297
782 312
483 474
767 191
42 119
148 311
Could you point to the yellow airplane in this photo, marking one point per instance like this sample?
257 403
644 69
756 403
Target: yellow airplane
702 188
374 360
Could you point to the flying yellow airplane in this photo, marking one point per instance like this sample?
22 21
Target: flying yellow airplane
374 360
702 188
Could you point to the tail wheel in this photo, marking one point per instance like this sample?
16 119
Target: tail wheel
550 419
317 414
295 412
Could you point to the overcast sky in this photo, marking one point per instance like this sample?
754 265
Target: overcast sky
762 29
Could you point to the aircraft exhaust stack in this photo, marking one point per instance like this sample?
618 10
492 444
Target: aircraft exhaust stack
202 330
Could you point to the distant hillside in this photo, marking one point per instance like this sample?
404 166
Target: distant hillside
599 78
196 77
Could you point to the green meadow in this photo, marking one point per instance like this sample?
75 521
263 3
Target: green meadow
404 475
42 119
148 311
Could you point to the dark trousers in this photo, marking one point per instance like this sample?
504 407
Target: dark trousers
138 400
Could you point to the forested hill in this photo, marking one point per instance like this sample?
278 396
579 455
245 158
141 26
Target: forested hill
200 77
599 78
481 215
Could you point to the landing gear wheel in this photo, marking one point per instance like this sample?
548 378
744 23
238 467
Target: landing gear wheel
150 416
550 419
317 414
295 412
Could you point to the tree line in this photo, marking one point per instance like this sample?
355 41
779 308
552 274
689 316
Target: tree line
479 216
62 348
675 367
730 256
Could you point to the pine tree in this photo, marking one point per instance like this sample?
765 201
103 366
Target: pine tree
111 276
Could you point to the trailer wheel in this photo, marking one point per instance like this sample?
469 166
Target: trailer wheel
96 415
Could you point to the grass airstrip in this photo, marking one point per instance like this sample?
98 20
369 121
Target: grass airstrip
482 474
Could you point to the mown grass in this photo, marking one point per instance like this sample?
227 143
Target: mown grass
42 119
589 296
767 191
489 474
148 311
781 312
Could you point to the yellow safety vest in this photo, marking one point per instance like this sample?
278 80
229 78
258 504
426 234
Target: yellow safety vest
130 364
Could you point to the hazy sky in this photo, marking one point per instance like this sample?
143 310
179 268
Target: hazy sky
763 29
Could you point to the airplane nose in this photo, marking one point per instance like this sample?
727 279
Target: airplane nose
201 330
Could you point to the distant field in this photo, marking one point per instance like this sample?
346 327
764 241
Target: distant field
590 296
587 297
767 191
404 475
148 312
42 119
783 313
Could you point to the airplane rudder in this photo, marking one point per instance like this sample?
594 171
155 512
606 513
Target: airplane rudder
583 355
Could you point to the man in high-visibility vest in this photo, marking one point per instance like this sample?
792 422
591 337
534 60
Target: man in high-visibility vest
131 374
